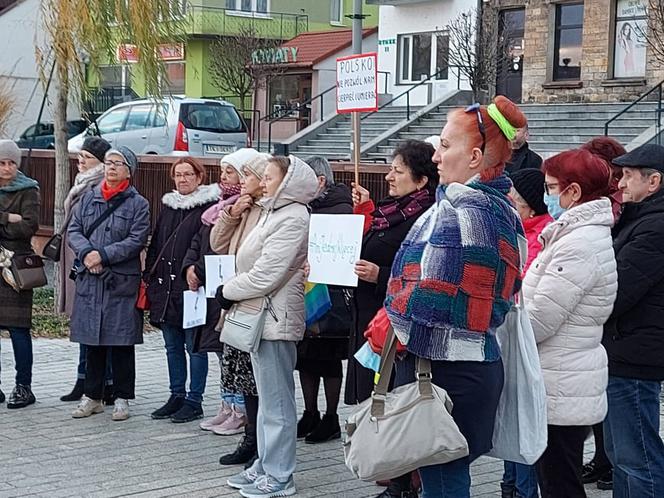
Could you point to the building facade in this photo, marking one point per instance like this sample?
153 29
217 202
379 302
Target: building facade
576 51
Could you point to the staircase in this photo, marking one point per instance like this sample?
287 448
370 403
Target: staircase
334 143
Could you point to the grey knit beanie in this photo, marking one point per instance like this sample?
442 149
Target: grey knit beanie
129 157
9 150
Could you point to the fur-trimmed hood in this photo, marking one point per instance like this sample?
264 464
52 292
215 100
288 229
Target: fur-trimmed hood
205 194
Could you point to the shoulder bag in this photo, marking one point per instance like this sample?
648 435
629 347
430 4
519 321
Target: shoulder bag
391 434
244 323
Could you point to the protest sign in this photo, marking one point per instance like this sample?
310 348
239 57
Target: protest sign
218 270
194 308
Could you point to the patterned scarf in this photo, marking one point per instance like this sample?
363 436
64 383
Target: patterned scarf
229 194
391 212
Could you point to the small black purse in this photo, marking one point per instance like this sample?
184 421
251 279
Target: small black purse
52 248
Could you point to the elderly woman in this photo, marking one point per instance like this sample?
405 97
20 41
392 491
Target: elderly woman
107 233
178 222
19 213
234 225
325 344
446 306
270 264
90 174
569 293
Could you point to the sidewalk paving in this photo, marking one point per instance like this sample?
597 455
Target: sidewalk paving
44 452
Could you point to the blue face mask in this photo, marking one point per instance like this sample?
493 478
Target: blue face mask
552 202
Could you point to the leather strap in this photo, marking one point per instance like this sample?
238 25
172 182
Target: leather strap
119 200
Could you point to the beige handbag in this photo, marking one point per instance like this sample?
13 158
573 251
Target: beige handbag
394 433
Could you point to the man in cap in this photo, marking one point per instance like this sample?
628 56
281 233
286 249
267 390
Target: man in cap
634 334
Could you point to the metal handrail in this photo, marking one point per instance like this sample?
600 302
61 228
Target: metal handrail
283 113
657 88
407 92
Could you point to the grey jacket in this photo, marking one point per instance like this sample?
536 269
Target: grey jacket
105 311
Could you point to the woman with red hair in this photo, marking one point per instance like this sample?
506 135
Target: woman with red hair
608 149
569 293
454 277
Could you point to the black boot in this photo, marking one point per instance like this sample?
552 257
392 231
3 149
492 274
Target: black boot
507 490
307 423
173 404
605 483
244 452
21 397
592 472
109 395
76 393
394 490
2 396
327 430
189 412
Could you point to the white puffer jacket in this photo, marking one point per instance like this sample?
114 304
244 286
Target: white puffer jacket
569 292
270 260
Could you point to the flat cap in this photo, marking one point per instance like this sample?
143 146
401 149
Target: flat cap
645 156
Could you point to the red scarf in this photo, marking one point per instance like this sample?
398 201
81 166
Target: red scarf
110 192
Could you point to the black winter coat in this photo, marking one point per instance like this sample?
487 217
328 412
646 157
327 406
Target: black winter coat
634 334
379 248
164 277
523 158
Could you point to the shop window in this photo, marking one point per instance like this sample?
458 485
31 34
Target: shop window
629 54
260 6
116 76
174 78
336 11
568 42
421 55
287 93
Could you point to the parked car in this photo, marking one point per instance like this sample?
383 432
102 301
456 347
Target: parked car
170 126
41 135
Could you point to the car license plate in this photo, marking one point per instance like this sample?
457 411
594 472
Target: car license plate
219 149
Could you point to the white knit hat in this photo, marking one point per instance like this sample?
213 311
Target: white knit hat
239 158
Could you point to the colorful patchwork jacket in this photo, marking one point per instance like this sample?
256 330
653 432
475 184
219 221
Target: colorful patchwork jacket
456 273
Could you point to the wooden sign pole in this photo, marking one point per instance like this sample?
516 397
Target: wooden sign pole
356 145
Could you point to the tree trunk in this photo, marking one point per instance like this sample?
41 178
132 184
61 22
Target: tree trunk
62 183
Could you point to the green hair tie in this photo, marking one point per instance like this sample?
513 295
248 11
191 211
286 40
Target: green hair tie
505 126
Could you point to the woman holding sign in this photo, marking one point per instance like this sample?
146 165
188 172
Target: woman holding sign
178 222
454 278
270 265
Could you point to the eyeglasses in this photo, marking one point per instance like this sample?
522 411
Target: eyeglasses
117 164
476 108
549 186
186 176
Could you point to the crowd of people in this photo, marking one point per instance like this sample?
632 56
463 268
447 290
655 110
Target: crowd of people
440 256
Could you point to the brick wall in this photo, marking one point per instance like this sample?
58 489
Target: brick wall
595 84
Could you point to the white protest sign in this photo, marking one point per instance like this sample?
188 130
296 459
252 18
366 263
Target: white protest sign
335 242
194 309
218 271
357 83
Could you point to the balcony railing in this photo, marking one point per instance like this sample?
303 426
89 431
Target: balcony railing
101 99
205 20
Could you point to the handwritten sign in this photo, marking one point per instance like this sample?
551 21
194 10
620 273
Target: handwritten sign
357 83
335 242
218 271
194 308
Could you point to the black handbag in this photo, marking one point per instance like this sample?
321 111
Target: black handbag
52 248
337 322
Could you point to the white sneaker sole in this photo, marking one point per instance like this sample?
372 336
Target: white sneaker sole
284 492
119 418
227 432
236 485
99 409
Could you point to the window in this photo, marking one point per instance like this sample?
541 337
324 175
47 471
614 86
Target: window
174 80
138 117
421 55
568 42
113 121
285 94
336 11
216 118
115 76
260 6
629 55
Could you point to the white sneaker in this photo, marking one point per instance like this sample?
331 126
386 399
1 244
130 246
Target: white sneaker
222 414
121 409
87 407
234 424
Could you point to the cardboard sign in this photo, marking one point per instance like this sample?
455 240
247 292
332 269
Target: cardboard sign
335 242
194 310
218 271
357 83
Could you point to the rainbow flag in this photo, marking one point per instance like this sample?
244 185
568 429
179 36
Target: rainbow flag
316 302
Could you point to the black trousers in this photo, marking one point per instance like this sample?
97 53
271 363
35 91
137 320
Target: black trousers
601 459
559 468
123 361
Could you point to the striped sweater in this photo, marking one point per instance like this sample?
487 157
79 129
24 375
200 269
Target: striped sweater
456 273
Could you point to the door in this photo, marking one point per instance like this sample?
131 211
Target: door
510 68
304 110
137 128
111 124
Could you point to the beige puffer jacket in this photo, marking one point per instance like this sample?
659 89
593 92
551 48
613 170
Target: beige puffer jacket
271 258
569 292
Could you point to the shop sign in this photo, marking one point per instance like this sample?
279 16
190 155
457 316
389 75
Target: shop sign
127 53
357 83
279 55
171 52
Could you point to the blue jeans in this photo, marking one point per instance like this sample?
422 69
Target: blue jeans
234 399
631 436
82 362
449 480
22 346
520 478
177 341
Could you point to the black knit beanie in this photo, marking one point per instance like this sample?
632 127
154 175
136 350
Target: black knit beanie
529 183
96 146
